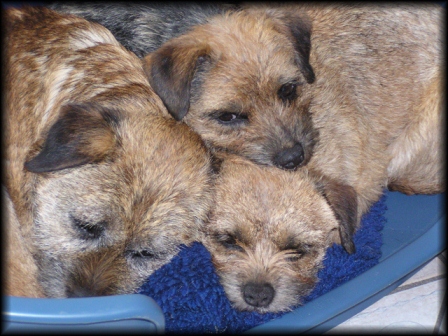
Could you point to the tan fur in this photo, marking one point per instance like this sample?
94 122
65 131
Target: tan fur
94 165
20 278
270 228
237 64
377 104
385 63
377 101
370 119
418 154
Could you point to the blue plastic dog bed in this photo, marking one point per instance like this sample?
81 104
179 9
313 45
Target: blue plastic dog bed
413 234
392 246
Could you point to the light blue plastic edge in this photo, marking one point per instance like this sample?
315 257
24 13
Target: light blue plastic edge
345 301
133 312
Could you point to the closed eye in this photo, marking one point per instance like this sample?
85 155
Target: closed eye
88 230
294 256
229 242
141 254
296 252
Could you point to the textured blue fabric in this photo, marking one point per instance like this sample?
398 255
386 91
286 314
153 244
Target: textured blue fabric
192 299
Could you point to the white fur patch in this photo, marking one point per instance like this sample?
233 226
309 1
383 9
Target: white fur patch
88 38
58 78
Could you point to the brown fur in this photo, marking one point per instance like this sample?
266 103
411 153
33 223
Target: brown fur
269 231
105 184
378 97
377 101
377 104
21 276
372 117
418 164
237 81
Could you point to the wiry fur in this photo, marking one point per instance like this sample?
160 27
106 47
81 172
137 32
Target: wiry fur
199 48
19 268
142 27
377 104
377 100
269 227
237 81
105 184
367 113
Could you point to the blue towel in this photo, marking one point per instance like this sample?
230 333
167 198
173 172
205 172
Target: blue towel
192 299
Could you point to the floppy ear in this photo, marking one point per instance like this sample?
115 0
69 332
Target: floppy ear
170 70
300 29
82 134
342 199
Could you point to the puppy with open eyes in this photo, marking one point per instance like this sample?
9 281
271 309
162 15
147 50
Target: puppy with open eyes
234 77
105 185
361 79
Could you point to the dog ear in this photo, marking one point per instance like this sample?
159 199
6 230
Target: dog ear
82 134
170 70
342 199
300 30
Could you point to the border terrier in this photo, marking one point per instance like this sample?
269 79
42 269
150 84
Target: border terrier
105 184
378 105
234 78
269 231
265 82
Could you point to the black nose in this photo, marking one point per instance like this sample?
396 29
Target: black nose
290 158
258 295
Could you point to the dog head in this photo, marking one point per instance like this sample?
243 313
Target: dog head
115 196
269 231
241 81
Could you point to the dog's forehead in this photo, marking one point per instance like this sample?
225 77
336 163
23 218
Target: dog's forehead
288 223
251 46
267 202
156 181
162 156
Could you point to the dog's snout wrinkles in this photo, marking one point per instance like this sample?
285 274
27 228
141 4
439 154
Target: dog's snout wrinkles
258 295
290 158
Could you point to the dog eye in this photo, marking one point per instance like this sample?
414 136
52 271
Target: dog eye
141 254
288 91
229 242
87 230
294 256
297 251
231 118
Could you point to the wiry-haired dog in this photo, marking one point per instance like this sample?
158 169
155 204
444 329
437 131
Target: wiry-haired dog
105 184
378 104
233 77
269 231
